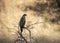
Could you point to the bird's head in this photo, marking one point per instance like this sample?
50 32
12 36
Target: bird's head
24 14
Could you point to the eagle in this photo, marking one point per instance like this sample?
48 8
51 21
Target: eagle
22 22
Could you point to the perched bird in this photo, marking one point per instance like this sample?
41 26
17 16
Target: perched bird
22 22
58 3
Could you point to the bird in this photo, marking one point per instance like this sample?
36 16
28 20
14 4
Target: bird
58 3
22 22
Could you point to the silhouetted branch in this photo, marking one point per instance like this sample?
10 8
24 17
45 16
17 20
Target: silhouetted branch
23 38
17 40
20 39
33 24
29 33
27 28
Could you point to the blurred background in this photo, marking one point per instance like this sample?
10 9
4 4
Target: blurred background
43 14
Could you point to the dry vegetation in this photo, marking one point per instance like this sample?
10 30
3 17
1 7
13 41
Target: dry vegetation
43 20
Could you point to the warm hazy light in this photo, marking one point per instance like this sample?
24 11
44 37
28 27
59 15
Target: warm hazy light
41 20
